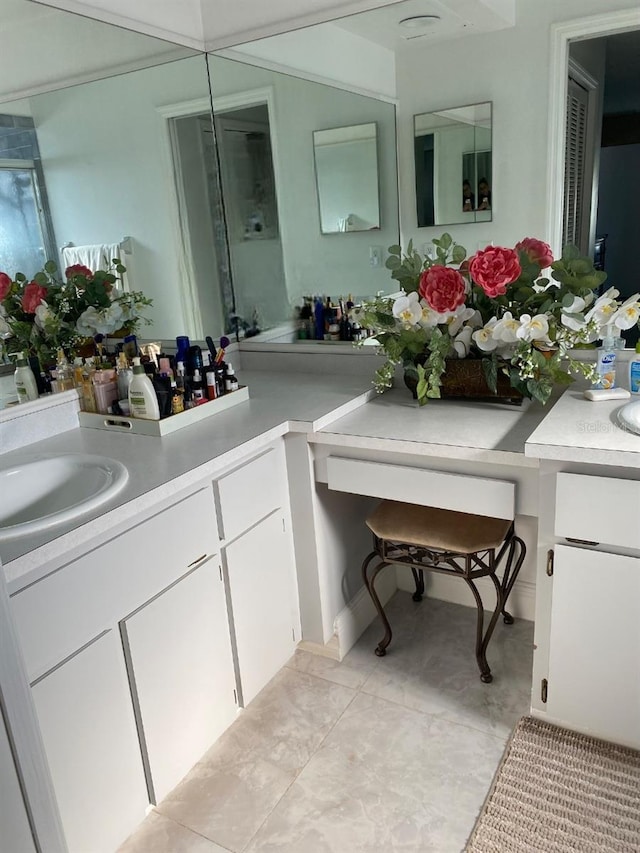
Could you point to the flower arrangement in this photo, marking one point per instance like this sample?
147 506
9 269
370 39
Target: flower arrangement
40 315
496 306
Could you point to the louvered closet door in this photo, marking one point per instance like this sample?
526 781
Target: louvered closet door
575 150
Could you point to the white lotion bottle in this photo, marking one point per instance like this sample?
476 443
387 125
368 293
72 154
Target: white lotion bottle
143 402
26 387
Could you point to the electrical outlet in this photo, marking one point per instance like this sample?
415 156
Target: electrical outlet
375 256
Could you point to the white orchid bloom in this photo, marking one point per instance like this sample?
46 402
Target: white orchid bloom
628 313
430 318
506 328
604 307
484 339
462 342
569 318
407 310
533 328
462 315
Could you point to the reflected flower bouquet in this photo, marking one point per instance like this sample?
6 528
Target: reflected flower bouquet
497 306
40 315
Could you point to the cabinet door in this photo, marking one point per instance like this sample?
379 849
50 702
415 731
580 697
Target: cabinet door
88 727
179 652
261 584
15 832
594 669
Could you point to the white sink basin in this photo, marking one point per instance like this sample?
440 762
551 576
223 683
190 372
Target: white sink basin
44 491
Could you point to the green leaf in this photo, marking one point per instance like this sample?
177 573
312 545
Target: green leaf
41 279
567 300
50 267
393 262
459 254
570 253
446 241
490 367
395 250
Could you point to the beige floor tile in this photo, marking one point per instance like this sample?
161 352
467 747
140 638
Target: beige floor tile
387 778
158 834
228 794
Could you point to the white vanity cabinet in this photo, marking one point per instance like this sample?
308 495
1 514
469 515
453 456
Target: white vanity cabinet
179 654
587 655
253 502
88 728
128 652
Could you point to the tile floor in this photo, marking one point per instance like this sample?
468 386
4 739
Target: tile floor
370 754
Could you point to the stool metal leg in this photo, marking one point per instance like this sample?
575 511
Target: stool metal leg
481 646
381 648
418 577
511 573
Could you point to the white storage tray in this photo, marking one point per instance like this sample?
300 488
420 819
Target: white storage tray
139 426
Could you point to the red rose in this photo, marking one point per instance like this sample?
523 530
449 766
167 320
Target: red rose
537 251
5 285
494 268
443 288
33 295
78 269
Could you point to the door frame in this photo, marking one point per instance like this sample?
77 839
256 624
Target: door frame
610 23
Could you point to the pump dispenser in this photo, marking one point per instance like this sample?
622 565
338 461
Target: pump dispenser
26 387
143 402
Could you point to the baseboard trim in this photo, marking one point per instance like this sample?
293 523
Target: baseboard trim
330 650
522 601
359 613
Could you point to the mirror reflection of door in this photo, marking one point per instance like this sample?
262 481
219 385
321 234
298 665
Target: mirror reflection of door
250 198
453 165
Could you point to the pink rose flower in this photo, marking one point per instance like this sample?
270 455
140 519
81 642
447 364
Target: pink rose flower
443 288
494 268
5 285
33 295
78 269
537 251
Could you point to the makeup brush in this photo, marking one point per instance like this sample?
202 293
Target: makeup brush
224 343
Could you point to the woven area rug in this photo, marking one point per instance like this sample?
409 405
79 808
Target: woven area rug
557 791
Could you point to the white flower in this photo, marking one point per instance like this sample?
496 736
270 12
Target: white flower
484 339
462 342
533 328
573 315
459 319
430 318
604 307
43 313
407 310
506 328
86 322
627 314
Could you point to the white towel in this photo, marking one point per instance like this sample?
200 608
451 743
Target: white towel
98 257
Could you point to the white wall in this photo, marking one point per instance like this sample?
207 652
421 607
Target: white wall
510 68
332 264
108 173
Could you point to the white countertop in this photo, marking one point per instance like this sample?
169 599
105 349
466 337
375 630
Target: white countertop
159 468
578 430
455 429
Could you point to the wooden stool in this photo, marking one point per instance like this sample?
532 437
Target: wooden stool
454 543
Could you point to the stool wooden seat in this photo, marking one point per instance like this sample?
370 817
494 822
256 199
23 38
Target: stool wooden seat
450 542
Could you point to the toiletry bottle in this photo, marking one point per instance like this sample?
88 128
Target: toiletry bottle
177 398
26 387
634 372
211 384
88 397
606 363
143 402
65 372
124 377
182 348
231 381
198 390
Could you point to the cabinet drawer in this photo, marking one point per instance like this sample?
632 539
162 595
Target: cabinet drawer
60 613
250 493
598 509
476 495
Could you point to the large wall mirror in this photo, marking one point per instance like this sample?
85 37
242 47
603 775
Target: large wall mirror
108 159
301 162
453 165
346 161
